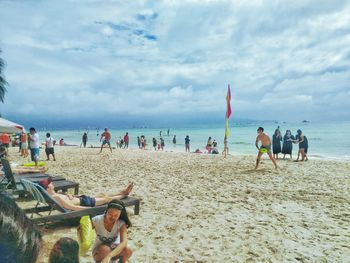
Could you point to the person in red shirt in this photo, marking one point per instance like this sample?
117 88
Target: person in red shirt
126 140
5 139
106 136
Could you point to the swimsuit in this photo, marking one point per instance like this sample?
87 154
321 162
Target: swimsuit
267 147
106 142
87 201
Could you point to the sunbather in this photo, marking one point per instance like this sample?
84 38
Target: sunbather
74 202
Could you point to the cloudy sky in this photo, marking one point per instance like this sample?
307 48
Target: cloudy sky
172 60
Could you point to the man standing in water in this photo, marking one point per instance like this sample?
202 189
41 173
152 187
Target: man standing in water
84 139
264 148
106 136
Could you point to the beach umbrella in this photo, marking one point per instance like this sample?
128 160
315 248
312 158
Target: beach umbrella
9 126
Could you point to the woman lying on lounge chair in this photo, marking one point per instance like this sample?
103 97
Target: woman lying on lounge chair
81 202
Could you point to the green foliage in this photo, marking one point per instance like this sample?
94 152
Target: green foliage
3 82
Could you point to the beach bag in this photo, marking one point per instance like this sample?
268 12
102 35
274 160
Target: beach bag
86 235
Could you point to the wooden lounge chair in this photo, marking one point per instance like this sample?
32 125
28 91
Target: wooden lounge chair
11 181
46 204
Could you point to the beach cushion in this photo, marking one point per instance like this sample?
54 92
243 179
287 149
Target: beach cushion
86 235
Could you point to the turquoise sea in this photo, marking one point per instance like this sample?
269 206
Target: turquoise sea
326 140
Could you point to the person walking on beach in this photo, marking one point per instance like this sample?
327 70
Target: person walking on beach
126 140
34 145
49 147
264 148
106 136
287 144
84 139
276 143
187 143
301 139
174 140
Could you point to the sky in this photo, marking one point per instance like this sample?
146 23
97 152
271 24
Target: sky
130 62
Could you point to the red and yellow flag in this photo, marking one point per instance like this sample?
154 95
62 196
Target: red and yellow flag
228 110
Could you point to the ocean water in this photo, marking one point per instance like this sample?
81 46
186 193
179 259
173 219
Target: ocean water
326 140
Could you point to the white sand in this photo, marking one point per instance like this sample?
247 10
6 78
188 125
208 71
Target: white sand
204 208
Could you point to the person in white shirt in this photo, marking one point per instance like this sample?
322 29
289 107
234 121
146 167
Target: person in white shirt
111 234
49 144
34 145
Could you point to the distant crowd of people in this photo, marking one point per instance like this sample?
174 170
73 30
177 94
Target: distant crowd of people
279 144
31 142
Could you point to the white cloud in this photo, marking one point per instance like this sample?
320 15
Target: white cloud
145 57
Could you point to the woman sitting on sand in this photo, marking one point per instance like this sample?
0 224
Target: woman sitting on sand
111 234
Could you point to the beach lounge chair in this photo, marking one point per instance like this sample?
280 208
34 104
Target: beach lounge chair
48 205
11 181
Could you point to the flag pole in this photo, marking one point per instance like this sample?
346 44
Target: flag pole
228 114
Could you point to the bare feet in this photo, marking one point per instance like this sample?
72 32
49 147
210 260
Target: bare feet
128 189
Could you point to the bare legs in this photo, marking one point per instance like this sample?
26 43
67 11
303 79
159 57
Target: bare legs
104 198
259 157
303 155
102 251
109 145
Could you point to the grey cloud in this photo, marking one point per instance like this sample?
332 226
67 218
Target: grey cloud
178 56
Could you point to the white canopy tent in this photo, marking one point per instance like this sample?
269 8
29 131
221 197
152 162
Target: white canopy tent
9 126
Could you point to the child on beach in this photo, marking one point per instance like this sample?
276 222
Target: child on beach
49 147
65 250
215 149
24 144
264 148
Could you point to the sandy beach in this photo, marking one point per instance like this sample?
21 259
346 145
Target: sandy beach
204 208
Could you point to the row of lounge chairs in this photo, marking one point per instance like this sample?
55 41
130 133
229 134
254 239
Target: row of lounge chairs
47 209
